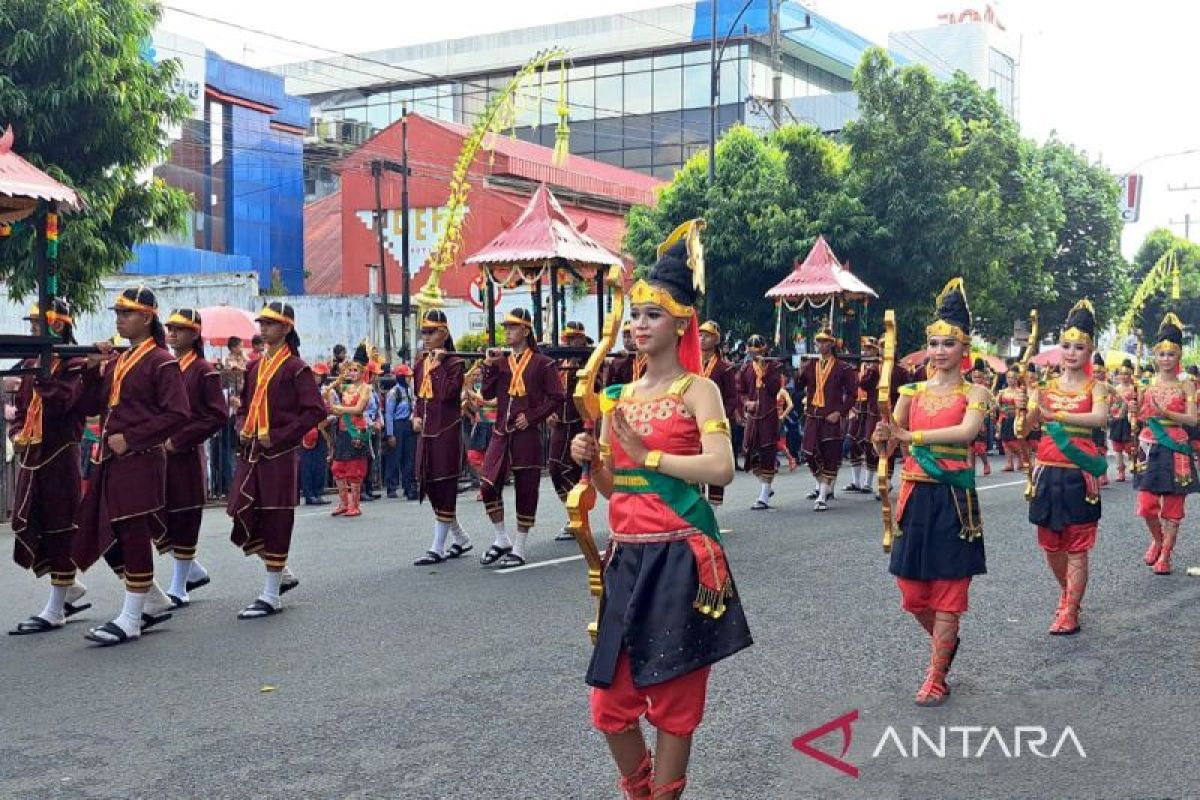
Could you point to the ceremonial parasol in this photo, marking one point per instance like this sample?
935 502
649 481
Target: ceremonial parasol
815 283
221 322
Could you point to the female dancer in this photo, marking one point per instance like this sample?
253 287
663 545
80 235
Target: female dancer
279 404
1066 501
45 435
352 440
1122 405
1007 402
438 419
141 399
669 610
208 413
1165 470
979 377
940 547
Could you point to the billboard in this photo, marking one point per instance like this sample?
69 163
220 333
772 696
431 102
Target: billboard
1130 203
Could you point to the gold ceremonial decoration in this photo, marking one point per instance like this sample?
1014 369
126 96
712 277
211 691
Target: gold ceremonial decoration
888 355
275 316
1019 420
653 460
644 292
582 498
690 232
943 328
720 426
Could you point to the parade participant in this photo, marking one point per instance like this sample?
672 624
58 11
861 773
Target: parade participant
1100 433
45 435
940 544
759 382
830 387
1165 471
482 416
863 418
399 459
207 414
437 418
724 374
1122 406
1066 502
279 404
980 377
527 390
352 436
565 423
669 609
623 366
315 450
142 400
1007 406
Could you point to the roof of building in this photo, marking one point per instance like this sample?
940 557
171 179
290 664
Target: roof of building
323 245
21 180
820 275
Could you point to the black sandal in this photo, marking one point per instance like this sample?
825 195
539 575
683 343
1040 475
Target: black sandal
258 609
429 559
284 588
178 602
192 586
112 629
510 560
33 625
759 505
493 554
70 609
456 550
150 620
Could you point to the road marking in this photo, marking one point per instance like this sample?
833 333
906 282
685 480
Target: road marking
549 563
1000 485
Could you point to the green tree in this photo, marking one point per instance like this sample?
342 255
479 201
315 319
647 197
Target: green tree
1157 244
88 108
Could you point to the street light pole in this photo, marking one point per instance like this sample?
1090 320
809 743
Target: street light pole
714 61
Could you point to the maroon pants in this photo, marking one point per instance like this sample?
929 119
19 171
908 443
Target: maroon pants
564 472
443 496
266 533
131 555
525 481
182 534
716 495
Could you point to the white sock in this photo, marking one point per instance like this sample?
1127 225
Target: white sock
130 619
179 578
196 571
270 592
460 536
440 531
288 575
53 612
75 591
869 476
822 492
519 541
854 470
501 539
764 491
156 601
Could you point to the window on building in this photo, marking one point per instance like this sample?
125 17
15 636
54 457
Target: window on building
608 96
1002 78
695 86
668 89
218 128
639 97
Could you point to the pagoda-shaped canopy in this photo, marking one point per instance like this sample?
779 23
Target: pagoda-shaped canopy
23 186
818 278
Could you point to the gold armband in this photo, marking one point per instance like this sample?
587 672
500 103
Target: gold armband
605 451
716 426
652 460
918 437
1031 406
984 407
1059 416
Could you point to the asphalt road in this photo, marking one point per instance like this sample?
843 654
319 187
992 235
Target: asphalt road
390 681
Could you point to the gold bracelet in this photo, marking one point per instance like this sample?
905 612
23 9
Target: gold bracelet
918 438
716 426
605 450
652 460
1060 415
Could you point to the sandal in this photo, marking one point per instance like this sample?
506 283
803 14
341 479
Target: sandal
429 559
259 608
759 505
493 554
150 620
192 586
33 625
177 601
70 609
287 586
108 634
455 550
510 560
820 505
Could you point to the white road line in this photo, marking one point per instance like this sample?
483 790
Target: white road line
549 563
1000 485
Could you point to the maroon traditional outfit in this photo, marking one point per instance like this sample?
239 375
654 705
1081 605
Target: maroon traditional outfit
724 374
759 382
279 400
527 384
185 466
564 472
829 386
624 368
140 395
439 451
46 430
860 428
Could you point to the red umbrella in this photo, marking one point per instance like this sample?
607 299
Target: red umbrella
1049 357
221 322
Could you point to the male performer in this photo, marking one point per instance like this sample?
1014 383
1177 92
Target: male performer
45 436
863 418
627 366
527 390
565 423
207 414
759 382
830 386
142 400
720 371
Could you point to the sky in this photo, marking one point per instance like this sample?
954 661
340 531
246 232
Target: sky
1115 80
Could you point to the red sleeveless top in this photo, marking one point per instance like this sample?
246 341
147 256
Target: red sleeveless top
1053 398
1175 402
928 411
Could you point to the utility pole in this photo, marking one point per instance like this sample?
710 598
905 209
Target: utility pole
377 174
378 167
406 298
776 65
1187 218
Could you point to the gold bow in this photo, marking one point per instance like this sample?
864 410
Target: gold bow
886 366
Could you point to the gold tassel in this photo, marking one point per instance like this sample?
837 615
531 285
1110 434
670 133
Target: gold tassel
711 602
562 134
1174 277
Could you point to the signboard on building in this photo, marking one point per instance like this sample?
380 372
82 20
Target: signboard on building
192 59
425 228
988 15
1130 203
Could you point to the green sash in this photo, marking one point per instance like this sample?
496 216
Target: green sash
355 434
1160 435
1060 435
958 478
680 496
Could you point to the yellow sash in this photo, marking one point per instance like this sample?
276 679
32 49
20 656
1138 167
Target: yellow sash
516 386
258 418
128 360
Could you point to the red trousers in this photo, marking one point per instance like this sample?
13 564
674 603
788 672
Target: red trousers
675 707
941 594
1166 506
1073 539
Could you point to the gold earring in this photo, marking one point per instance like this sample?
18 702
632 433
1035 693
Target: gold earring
680 332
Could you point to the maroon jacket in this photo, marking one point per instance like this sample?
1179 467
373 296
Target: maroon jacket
153 404
439 450
209 413
543 395
724 375
762 424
